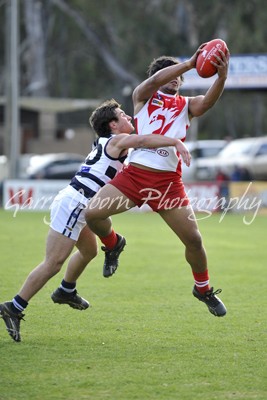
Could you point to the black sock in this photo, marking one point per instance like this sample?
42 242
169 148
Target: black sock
18 304
68 287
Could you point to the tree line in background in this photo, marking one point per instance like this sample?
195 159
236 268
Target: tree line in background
102 48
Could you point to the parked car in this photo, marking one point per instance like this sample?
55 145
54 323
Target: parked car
248 155
24 161
43 166
200 149
54 166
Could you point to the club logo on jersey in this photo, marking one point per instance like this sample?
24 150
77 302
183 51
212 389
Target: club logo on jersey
157 102
162 153
85 168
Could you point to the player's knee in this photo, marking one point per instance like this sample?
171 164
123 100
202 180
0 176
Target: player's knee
91 217
195 242
58 265
51 267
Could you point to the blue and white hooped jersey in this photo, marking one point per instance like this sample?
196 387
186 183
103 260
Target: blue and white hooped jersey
97 170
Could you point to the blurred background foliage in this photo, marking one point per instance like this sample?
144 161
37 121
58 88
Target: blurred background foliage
101 49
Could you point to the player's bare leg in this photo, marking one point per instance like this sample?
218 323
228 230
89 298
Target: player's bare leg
108 201
58 248
67 293
183 222
87 250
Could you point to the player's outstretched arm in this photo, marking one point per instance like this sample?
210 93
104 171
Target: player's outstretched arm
146 88
123 142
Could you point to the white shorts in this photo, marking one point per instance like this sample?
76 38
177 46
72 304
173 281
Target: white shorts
67 213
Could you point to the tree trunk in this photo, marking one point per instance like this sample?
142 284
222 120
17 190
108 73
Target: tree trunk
35 54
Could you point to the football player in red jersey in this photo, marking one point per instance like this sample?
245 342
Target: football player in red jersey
155 177
68 227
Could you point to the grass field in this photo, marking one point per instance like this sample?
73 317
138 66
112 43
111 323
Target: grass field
145 337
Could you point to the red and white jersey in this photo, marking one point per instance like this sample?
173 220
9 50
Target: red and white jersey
166 115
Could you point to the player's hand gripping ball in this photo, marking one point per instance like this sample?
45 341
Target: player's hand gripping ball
203 66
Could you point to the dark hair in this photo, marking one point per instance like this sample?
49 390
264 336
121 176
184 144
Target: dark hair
102 116
162 62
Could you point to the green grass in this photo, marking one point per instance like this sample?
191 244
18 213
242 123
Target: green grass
145 337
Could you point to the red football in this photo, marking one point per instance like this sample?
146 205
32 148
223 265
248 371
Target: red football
203 66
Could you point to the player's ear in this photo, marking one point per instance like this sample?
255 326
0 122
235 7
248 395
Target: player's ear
113 124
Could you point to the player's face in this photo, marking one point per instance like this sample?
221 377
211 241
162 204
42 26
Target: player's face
171 87
124 124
